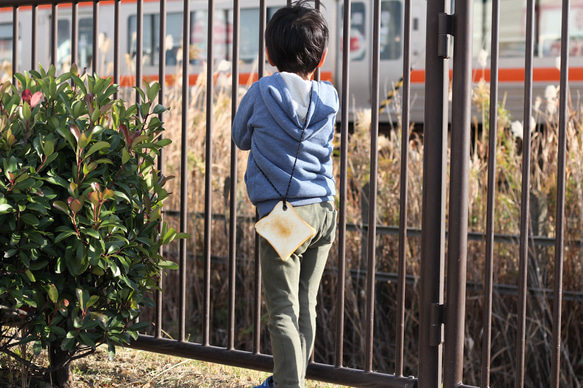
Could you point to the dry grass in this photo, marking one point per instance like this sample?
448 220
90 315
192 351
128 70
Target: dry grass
137 368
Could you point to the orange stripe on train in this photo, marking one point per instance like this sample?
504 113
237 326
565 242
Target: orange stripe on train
541 74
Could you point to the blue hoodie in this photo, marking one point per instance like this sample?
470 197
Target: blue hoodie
267 124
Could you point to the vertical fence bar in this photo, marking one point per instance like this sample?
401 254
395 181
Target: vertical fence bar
341 278
402 266
34 41
74 31
116 44
54 25
457 246
184 167
490 214
372 215
161 100
15 22
560 210
257 307
317 6
95 53
208 175
234 175
525 197
433 206
140 46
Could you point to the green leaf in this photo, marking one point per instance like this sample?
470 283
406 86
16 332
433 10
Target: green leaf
83 297
152 90
68 344
30 219
58 330
95 115
30 275
125 156
169 236
92 233
92 301
86 340
83 141
62 206
48 147
53 293
80 84
167 264
6 208
96 147
24 184
75 259
141 93
20 79
159 109
163 143
65 235
67 135
38 265
37 348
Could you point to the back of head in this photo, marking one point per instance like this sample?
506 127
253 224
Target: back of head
296 38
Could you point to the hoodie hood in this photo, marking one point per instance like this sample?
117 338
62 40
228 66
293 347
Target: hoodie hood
268 124
278 99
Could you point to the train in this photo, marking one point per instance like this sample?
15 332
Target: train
511 49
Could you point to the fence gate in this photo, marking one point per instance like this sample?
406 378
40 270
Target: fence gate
394 307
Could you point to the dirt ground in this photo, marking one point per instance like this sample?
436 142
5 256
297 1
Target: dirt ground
137 368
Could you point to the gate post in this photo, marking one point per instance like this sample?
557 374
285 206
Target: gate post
457 245
433 216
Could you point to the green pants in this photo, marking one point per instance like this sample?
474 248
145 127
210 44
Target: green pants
291 288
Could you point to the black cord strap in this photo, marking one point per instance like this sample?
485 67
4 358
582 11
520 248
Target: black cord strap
284 198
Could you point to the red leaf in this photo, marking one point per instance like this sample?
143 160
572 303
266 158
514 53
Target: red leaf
26 95
75 131
126 134
35 99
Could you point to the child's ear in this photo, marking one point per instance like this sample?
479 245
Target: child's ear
323 57
267 56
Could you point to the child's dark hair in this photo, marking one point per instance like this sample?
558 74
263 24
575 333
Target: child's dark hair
296 38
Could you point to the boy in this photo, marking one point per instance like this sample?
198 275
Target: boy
287 122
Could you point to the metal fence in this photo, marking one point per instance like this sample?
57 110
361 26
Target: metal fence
441 326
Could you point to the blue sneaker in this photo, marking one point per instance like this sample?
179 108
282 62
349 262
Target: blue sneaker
268 383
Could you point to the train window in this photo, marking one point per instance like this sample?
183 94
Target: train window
5 42
85 42
223 33
198 37
391 29
249 35
173 38
357 31
547 27
63 43
149 38
390 34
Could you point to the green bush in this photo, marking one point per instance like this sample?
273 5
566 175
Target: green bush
80 212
